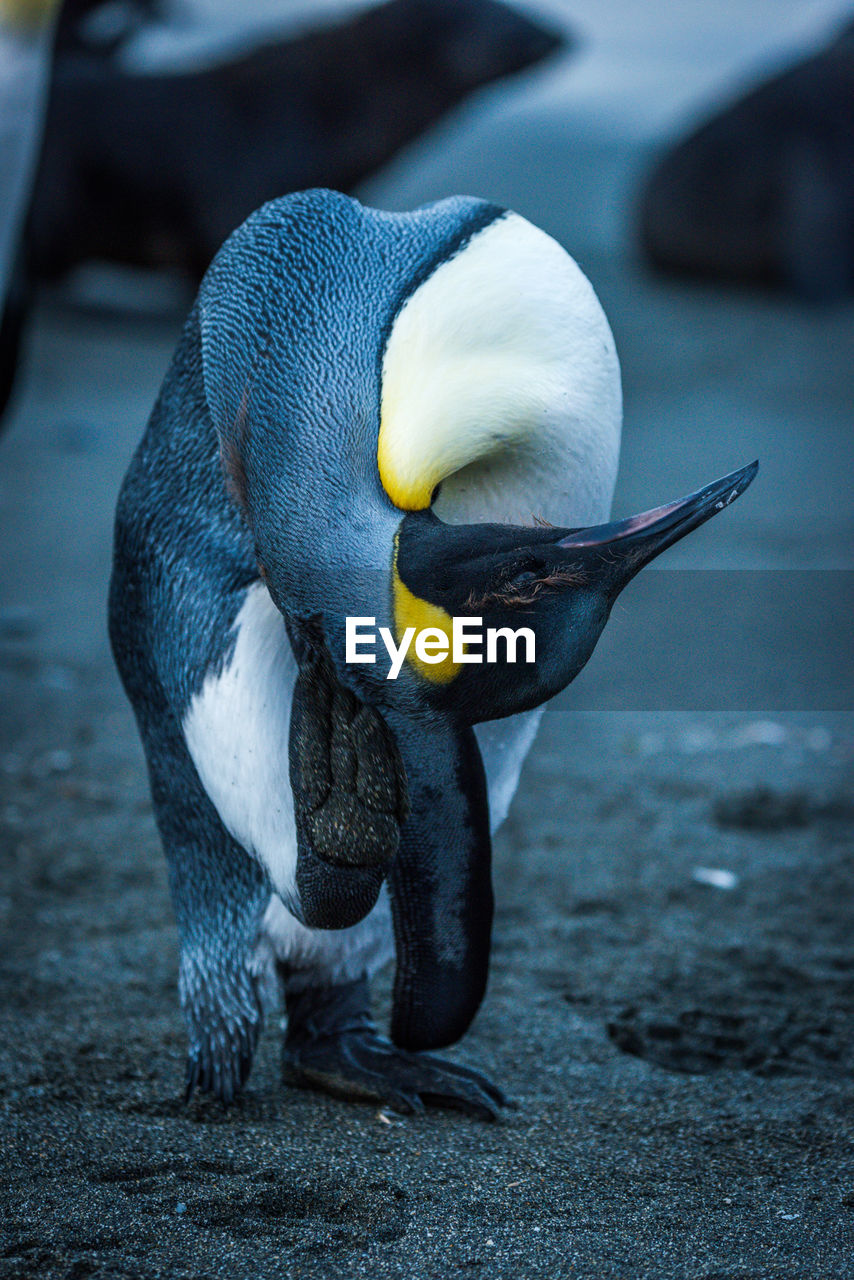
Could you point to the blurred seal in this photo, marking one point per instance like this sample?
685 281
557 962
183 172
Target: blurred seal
155 170
152 169
764 192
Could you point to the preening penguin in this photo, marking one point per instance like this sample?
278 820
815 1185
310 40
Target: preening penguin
363 415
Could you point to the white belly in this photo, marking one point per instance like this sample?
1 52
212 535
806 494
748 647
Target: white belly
236 729
326 956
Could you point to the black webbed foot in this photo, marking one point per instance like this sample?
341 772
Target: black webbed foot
363 1065
332 1045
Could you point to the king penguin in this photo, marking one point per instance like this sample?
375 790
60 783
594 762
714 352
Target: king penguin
404 418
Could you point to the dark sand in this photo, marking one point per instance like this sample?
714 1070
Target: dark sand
615 975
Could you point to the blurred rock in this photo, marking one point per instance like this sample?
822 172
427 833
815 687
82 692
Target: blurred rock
764 192
715 877
765 809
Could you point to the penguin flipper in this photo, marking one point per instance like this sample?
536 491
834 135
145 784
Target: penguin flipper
332 1046
349 790
441 886
218 892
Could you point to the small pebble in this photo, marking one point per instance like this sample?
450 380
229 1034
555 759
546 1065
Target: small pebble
715 876
760 733
58 761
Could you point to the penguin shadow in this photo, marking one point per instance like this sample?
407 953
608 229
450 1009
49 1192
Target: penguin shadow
249 1107
139 1078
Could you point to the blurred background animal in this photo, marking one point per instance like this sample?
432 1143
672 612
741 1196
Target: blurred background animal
763 192
154 168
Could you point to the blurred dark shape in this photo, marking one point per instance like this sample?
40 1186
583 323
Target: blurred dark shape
12 319
761 809
765 809
98 27
102 26
764 192
157 169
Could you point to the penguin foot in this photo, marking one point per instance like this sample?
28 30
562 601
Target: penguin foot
219 1068
331 1045
363 1065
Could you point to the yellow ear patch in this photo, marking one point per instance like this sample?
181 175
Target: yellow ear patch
411 611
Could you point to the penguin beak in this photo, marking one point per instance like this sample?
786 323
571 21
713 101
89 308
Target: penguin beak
632 543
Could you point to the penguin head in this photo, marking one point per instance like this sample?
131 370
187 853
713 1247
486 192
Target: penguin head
544 593
395 394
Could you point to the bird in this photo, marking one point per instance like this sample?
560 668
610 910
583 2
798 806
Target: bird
397 418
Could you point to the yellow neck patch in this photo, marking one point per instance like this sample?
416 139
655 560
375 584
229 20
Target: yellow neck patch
411 611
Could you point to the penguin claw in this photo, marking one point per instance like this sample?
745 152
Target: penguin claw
192 1079
498 1097
361 1065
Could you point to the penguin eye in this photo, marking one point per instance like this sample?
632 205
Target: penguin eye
518 588
526 586
521 589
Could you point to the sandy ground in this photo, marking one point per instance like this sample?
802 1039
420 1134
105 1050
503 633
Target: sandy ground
681 1051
